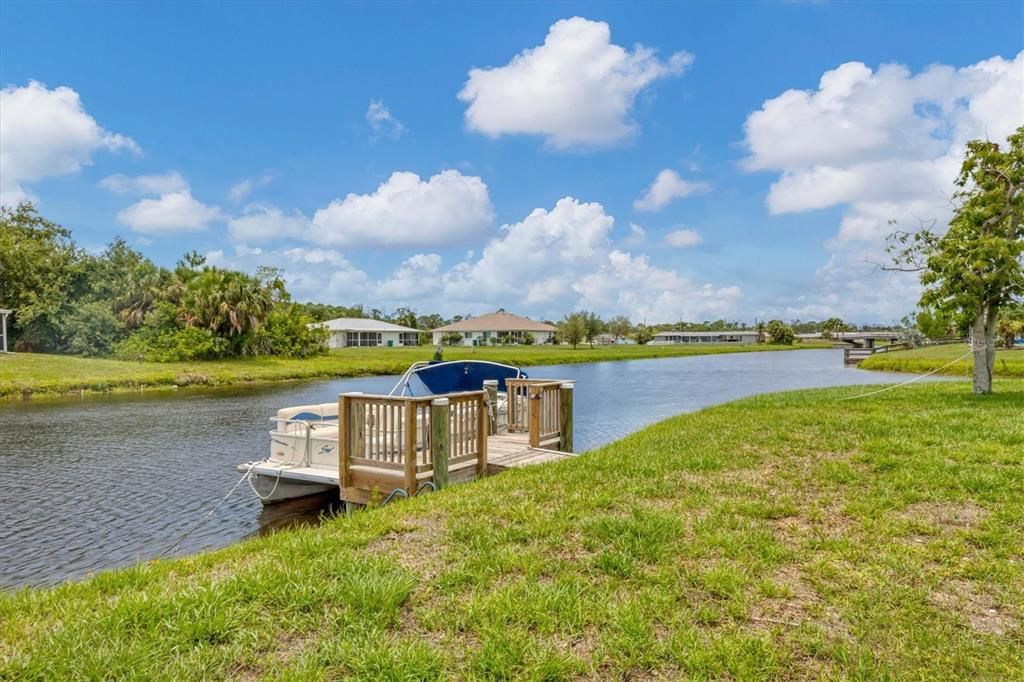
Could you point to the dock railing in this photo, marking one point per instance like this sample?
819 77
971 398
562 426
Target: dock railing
539 407
388 442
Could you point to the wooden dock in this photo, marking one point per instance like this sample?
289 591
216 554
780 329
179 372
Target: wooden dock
390 445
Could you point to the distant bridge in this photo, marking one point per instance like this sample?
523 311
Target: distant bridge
857 339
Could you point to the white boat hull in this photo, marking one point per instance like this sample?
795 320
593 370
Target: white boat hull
275 483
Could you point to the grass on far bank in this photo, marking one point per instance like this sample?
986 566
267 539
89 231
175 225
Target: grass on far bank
785 536
27 374
1009 363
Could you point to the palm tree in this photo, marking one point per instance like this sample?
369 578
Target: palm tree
226 303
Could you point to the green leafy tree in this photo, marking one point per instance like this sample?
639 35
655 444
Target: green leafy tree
832 326
573 329
1011 325
40 274
91 328
975 269
933 325
594 326
643 334
405 317
619 327
780 333
528 339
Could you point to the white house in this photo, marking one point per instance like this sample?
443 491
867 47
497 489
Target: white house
346 332
728 336
499 327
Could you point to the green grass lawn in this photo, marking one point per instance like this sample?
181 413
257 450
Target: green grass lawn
26 374
786 536
1009 363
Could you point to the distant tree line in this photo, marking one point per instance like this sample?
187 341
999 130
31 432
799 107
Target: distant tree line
118 302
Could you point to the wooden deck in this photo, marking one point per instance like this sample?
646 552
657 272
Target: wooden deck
510 450
391 443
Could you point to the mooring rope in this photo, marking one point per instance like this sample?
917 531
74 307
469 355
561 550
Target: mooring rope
208 514
910 381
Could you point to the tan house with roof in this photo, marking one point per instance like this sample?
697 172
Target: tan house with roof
502 327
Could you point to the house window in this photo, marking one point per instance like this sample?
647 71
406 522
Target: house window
362 338
409 338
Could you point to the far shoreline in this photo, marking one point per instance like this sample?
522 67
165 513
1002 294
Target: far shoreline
28 376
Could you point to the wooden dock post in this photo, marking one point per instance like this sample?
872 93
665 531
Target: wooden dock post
440 429
535 406
491 391
565 414
346 432
483 431
409 448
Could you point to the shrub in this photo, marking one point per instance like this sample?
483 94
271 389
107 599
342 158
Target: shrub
528 339
91 329
287 333
152 344
451 339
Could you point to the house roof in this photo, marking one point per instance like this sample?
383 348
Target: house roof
362 324
497 322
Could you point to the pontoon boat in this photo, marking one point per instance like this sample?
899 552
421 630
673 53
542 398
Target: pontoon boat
304 439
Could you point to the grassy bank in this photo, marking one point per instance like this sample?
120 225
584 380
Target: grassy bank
27 374
1009 363
785 536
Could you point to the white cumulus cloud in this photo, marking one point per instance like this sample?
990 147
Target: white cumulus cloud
560 259
668 186
884 144
169 214
577 89
417 278
408 211
682 239
629 285
46 133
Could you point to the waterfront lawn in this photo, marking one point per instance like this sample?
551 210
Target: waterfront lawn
26 374
795 535
1009 363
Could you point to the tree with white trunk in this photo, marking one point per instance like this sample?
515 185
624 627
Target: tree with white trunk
977 267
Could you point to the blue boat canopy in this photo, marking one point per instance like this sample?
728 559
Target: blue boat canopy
461 375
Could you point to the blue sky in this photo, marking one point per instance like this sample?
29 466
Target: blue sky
270 134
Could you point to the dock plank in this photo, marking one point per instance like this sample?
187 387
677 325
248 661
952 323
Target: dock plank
511 450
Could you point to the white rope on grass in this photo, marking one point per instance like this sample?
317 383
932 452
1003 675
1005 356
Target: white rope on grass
910 381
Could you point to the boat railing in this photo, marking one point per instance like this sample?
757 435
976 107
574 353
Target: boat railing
403 384
305 427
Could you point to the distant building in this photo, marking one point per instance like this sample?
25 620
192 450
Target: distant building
348 332
4 312
730 336
501 327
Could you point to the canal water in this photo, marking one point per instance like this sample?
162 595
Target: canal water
106 481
